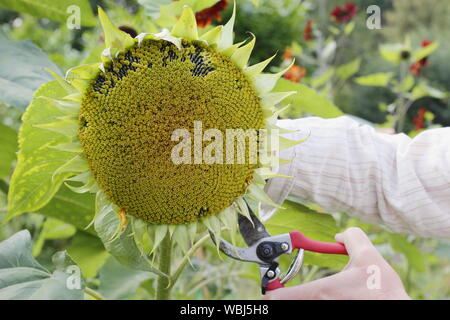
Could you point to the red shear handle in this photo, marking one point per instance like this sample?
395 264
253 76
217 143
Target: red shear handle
299 241
275 284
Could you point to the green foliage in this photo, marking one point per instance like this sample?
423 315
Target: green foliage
22 71
315 225
380 79
53 10
382 82
51 230
88 252
119 243
119 282
73 208
307 100
8 143
410 16
31 189
286 15
22 277
392 52
425 51
347 70
415 258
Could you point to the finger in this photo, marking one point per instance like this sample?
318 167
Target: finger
355 241
325 288
301 292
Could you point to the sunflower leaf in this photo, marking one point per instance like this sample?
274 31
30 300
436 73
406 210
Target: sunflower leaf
22 71
22 277
307 100
8 141
88 252
59 11
76 209
32 186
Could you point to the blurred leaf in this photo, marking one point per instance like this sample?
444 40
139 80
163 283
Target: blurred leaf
77 209
415 258
383 107
22 71
425 51
8 143
52 229
152 7
88 252
22 277
53 10
315 225
334 30
347 70
322 79
429 116
297 49
32 184
307 100
424 90
380 79
406 84
119 282
349 27
443 249
392 52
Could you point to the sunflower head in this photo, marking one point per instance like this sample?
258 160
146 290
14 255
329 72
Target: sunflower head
121 117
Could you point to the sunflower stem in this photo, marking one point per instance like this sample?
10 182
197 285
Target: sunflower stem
94 294
185 260
165 255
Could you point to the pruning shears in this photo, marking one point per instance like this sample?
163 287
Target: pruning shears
265 250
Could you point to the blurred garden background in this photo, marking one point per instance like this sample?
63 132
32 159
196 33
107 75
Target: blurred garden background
387 63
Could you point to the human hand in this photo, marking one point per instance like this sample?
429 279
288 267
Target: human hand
367 276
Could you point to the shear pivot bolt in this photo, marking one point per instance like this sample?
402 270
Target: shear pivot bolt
284 246
270 274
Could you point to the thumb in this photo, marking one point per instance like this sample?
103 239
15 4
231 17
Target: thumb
355 241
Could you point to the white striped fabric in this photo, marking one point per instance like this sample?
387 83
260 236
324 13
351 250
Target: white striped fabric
394 180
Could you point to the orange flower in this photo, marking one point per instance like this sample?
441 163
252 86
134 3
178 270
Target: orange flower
419 120
287 55
345 13
416 67
307 32
295 73
205 17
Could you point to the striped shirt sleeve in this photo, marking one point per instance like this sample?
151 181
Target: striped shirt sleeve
393 180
